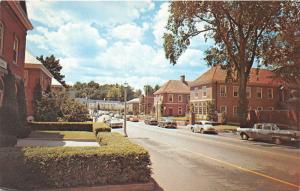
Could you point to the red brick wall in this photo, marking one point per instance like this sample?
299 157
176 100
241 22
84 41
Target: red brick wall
12 28
172 108
33 78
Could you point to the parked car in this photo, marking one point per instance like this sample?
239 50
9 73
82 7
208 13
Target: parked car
134 119
203 127
269 132
115 123
150 121
167 123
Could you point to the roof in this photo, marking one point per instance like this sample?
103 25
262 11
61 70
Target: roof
174 86
32 62
216 74
135 100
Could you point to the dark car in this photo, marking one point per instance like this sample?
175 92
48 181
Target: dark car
150 121
167 123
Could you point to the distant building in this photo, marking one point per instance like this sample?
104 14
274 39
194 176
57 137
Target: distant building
133 106
264 92
172 99
146 104
101 104
56 86
35 73
14 24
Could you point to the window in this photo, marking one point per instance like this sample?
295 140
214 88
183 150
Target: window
196 94
259 126
204 93
179 111
196 108
179 98
223 109
267 127
259 108
270 93
16 50
170 98
259 93
223 91
204 108
1 90
1 37
235 112
235 91
248 92
200 109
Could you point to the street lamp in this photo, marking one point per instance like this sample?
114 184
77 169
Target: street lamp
125 108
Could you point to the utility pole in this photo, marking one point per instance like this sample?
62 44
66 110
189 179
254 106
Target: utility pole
125 109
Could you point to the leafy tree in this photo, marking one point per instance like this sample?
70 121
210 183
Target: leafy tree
46 109
156 87
211 111
53 65
148 90
137 93
244 33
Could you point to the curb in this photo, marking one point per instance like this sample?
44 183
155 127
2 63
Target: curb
150 186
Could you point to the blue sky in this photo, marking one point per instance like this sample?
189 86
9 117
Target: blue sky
110 41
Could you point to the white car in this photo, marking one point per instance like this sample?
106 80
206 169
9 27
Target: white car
203 127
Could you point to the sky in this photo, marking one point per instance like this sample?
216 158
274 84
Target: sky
110 41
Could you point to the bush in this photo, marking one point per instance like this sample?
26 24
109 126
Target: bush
62 126
119 162
100 127
8 140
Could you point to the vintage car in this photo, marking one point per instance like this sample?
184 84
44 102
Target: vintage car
269 132
115 123
167 123
134 119
150 121
203 127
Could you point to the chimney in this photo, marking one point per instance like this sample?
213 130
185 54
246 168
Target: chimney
182 78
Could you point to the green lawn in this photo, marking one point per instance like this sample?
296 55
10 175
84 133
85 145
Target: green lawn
63 135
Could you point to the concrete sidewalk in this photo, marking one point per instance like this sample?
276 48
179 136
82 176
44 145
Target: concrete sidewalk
54 143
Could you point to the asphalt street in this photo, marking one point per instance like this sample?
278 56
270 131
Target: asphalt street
186 161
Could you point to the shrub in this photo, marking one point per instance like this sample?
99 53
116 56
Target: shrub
62 126
100 127
119 162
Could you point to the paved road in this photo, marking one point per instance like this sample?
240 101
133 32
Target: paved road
184 161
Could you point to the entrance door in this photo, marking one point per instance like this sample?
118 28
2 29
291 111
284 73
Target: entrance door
170 111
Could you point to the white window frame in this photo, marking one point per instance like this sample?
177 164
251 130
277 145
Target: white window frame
16 49
204 108
170 96
233 91
181 98
179 111
1 37
235 108
248 89
225 91
204 89
223 106
272 93
259 108
257 91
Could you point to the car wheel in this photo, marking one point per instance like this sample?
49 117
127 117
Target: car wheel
277 141
201 131
244 136
193 130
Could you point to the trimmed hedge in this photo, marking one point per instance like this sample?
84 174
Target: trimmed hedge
62 126
100 127
118 162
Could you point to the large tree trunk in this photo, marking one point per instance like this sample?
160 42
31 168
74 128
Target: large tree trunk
243 101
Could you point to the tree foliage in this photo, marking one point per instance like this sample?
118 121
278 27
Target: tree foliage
54 67
244 33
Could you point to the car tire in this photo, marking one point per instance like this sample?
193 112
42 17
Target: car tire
201 131
193 130
244 136
277 141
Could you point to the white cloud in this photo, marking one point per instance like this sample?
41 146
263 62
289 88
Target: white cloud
160 23
191 57
128 32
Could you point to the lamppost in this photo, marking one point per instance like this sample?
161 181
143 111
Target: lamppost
125 108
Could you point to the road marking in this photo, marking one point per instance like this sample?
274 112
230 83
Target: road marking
245 169
228 144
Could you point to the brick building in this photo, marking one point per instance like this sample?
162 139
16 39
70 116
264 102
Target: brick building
14 24
146 104
172 99
56 86
264 92
34 73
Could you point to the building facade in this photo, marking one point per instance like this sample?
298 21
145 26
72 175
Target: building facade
14 24
172 99
264 92
35 73
146 104
105 105
133 106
